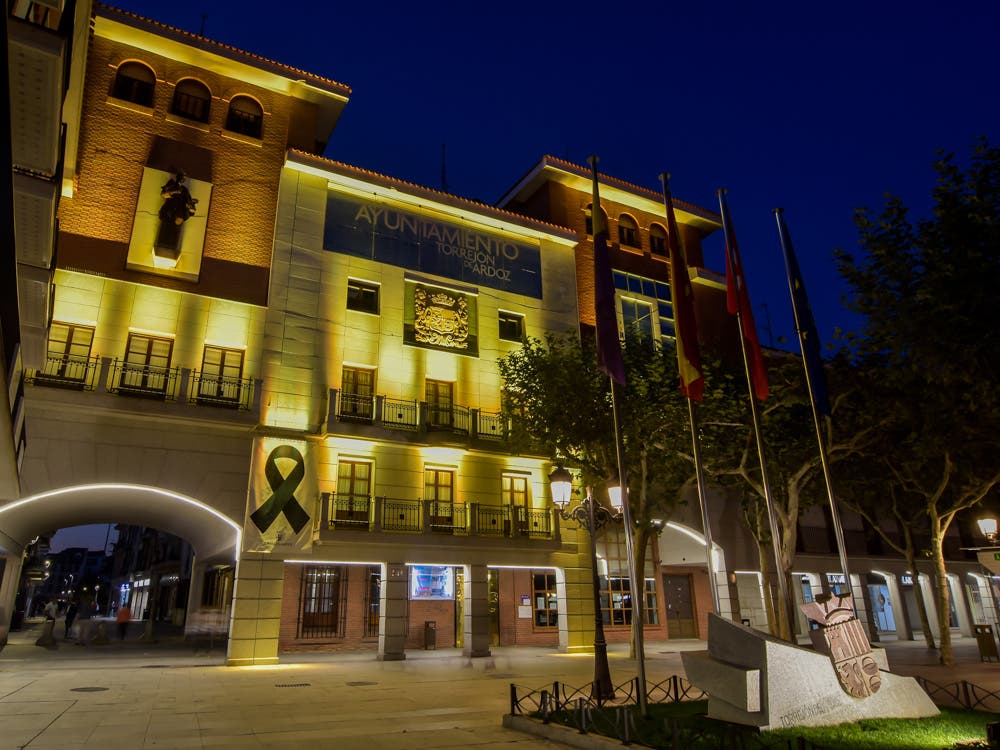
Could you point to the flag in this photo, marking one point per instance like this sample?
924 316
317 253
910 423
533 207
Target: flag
609 347
738 302
804 322
685 325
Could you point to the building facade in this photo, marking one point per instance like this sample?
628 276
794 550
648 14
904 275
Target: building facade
291 363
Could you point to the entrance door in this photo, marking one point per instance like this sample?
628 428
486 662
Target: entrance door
493 583
680 607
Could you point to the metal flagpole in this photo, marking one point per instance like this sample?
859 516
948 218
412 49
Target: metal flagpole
838 529
755 415
682 356
703 501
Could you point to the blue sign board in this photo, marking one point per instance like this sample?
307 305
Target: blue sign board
385 234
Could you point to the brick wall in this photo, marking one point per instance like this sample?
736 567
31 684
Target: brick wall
515 630
115 141
354 638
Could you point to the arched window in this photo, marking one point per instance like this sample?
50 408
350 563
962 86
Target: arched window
245 116
191 100
628 231
590 219
134 82
657 239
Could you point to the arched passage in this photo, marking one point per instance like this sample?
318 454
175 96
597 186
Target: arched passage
684 578
214 537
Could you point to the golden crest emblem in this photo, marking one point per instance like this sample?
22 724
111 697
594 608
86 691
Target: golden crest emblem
441 318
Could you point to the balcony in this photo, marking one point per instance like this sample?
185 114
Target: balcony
373 514
361 415
180 386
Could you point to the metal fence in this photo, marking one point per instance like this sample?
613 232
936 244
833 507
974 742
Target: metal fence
961 694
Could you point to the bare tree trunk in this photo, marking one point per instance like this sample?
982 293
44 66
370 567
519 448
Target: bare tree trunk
918 595
945 654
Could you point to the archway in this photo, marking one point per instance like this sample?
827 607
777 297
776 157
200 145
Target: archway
214 537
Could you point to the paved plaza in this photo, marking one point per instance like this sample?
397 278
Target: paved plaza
171 695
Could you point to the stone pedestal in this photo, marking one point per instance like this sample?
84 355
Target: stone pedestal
753 678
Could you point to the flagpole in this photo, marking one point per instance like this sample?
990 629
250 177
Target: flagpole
699 470
838 528
755 415
638 594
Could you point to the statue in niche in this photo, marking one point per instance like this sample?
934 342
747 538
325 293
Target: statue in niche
178 206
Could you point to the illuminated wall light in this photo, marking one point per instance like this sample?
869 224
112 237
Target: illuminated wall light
330 562
161 262
437 453
148 332
687 532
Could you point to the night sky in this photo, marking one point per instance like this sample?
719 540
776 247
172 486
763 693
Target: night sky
818 110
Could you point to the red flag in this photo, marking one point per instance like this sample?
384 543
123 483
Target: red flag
738 302
685 325
609 347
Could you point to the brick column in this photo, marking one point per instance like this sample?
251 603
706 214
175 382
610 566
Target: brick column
253 633
393 595
476 641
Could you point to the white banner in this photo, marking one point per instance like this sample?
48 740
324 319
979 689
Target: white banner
282 497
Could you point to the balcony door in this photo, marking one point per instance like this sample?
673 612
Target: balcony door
221 374
147 364
439 489
354 488
440 400
514 494
357 394
68 352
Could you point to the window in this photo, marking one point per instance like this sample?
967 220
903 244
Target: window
439 488
514 494
134 82
245 116
217 589
638 315
352 503
588 213
546 610
439 403
68 356
192 100
362 296
616 597
322 602
511 326
147 364
221 376
373 579
658 239
628 231
357 394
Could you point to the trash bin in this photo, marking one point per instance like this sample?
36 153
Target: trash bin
987 644
430 634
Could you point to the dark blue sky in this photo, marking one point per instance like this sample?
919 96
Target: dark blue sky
818 110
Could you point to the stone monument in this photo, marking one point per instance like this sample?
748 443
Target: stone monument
756 679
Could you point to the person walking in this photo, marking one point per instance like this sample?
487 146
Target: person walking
71 611
122 618
51 610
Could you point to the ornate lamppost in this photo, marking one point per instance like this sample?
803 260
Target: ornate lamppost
590 516
988 528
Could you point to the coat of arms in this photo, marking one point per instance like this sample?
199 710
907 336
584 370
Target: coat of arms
440 318
842 636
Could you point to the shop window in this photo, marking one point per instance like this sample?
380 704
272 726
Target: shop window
638 316
616 589
146 368
221 376
322 602
440 400
357 394
511 326
192 100
657 239
134 82
68 356
245 116
362 296
545 607
628 231
373 592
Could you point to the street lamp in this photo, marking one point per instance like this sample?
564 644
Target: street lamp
988 527
590 516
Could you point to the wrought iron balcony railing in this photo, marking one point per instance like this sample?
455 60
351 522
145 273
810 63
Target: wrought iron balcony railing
77 373
144 381
219 390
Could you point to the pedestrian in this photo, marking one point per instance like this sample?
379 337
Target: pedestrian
71 611
122 618
51 610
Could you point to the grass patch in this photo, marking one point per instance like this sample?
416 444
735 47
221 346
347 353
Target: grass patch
950 729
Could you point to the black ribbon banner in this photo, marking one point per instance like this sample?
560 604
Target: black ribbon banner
283 487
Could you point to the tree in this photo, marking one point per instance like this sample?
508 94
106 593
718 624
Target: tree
926 289
560 405
792 456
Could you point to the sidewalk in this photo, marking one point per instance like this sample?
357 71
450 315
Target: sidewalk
167 695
